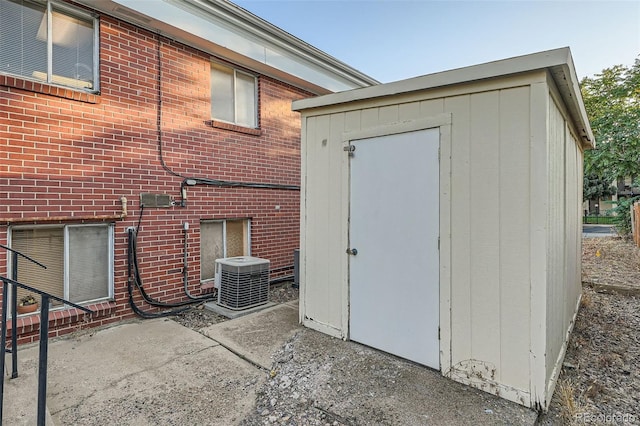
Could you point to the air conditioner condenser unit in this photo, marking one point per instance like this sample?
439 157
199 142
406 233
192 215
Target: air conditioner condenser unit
242 282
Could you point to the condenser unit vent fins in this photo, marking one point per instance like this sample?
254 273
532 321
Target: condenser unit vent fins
243 282
155 200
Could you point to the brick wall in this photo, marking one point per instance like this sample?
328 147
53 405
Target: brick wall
66 153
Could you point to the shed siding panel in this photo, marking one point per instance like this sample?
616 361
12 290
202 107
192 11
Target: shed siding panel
352 121
555 234
485 230
459 106
431 107
574 234
336 252
409 111
369 118
317 221
539 201
387 114
514 236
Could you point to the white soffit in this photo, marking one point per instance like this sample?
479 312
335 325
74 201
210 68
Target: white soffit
227 31
558 62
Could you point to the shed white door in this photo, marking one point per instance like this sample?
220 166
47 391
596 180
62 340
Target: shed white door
394 222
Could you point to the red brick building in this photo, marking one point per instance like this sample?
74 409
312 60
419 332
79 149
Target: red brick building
171 118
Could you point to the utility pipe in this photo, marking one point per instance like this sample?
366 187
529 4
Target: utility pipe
121 216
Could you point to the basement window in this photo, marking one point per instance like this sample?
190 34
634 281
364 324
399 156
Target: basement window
219 239
79 261
234 96
50 42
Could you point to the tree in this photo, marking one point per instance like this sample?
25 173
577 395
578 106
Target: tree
612 101
596 187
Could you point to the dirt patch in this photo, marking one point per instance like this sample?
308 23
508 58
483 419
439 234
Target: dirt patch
610 261
600 379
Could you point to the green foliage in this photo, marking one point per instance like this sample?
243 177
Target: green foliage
623 215
612 101
596 187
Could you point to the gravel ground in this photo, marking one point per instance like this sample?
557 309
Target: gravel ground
599 382
320 380
198 317
600 379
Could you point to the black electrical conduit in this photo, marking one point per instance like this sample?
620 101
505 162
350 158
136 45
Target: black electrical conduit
133 270
281 279
135 279
190 181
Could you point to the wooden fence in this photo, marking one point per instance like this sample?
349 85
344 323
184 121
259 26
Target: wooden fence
635 222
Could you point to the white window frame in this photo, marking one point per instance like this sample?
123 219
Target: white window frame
110 237
256 110
77 13
224 240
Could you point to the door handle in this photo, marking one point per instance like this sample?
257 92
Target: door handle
352 251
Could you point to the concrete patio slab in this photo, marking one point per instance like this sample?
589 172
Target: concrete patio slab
143 373
158 372
258 336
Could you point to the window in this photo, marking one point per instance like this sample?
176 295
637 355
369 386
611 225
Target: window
233 96
222 238
49 41
79 260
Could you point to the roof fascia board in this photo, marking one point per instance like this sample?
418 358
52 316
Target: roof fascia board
440 79
557 59
225 30
254 25
572 96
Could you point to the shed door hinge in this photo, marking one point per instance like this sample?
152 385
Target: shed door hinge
438 333
438 154
438 243
350 149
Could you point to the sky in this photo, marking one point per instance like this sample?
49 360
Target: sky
392 40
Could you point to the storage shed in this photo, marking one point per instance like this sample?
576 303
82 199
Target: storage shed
441 220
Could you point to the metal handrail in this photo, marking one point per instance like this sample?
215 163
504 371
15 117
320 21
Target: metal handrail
44 340
14 303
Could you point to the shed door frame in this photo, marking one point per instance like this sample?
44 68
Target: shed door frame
443 122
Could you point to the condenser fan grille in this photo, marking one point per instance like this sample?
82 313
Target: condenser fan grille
244 282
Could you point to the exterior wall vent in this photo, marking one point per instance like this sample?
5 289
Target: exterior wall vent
243 282
155 200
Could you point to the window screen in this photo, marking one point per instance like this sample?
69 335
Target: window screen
245 100
233 96
72 57
88 252
46 245
23 50
222 104
79 260
28 44
211 248
218 239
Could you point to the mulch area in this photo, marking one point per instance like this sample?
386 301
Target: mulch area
600 378
610 261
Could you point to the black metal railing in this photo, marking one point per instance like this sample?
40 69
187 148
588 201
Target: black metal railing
45 299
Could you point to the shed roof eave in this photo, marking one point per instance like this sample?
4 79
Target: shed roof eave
557 61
